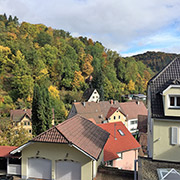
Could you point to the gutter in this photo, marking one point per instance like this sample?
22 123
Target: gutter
19 149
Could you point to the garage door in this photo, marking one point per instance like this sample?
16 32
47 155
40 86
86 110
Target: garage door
39 168
68 170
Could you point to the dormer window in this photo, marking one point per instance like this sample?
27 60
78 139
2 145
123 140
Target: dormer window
174 101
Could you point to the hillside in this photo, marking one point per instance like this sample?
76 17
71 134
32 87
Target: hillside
35 53
155 60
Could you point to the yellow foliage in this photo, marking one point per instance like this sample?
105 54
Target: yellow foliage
12 36
36 45
44 71
78 79
131 85
54 91
5 49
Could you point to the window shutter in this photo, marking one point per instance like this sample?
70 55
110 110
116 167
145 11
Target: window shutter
174 135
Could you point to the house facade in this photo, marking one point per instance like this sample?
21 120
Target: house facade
71 150
164 113
116 115
22 118
91 95
121 148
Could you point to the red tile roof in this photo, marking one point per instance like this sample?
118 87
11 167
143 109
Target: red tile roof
77 131
111 112
5 150
116 142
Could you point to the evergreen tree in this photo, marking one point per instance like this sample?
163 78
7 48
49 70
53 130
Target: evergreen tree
41 110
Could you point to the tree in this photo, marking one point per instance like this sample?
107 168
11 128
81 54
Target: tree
11 135
41 110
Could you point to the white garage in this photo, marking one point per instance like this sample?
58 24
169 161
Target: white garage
39 168
68 170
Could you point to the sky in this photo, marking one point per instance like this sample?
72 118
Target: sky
127 26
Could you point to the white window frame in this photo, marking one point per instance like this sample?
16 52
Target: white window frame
175 101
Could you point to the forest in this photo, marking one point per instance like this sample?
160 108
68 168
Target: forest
33 54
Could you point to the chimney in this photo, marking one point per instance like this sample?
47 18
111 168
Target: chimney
137 102
111 102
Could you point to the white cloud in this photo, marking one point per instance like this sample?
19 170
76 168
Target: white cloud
118 24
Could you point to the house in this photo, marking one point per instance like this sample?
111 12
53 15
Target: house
164 114
71 150
115 115
132 109
22 117
9 164
139 97
121 148
91 95
100 111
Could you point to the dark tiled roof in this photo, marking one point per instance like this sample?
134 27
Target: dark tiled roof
87 93
169 75
79 131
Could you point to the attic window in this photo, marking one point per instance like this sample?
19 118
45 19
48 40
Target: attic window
174 101
121 132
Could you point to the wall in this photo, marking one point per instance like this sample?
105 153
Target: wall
127 161
117 114
94 97
162 148
27 127
109 173
55 152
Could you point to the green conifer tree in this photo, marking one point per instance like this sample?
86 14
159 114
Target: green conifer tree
41 110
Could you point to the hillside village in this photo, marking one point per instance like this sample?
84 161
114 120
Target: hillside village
100 117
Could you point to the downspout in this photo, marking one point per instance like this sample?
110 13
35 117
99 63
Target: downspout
135 167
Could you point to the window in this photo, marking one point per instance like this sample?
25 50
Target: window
119 117
174 101
93 97
30 131
25 123
114 117
120 132
133 122
109 163
174 135
28 123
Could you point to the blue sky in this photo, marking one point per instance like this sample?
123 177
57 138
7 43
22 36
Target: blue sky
126 26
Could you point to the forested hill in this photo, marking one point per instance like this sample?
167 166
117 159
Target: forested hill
155 60
36 54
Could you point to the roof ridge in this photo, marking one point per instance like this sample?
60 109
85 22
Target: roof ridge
162 71
42 133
